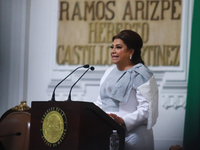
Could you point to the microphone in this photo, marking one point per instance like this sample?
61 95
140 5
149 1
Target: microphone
69 96
17 134
53 94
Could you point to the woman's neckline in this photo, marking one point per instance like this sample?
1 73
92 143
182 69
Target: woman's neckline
124 70
127 69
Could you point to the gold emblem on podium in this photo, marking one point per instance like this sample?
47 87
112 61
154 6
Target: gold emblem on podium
53 126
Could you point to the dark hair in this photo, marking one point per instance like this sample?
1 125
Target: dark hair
133 41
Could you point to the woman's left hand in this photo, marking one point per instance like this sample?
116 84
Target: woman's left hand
117 118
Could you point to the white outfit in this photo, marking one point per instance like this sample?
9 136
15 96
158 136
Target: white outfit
139 111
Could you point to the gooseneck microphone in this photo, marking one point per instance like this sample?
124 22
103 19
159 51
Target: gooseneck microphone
53 94
17 134
69 96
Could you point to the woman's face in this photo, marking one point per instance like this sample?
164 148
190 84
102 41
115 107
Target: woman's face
120 54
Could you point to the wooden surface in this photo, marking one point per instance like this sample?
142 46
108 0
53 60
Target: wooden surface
88 127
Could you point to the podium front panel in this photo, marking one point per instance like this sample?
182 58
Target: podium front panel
85 126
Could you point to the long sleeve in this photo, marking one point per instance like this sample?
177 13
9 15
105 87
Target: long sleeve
140 115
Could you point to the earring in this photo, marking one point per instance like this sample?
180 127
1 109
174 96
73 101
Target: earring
130 56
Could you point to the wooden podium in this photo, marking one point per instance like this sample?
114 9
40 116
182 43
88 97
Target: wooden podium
85 126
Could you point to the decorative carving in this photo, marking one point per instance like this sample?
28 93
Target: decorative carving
23 106
174 101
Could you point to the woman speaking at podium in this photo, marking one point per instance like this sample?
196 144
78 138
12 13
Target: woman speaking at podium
129 93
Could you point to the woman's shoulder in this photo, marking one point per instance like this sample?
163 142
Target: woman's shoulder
141 74
142 70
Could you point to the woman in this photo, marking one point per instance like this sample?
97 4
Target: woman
129 93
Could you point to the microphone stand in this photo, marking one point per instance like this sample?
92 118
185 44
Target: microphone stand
53 94
69 96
